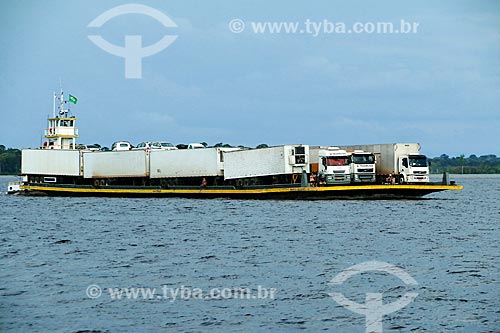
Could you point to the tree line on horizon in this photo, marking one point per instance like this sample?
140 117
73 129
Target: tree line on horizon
484 164
10 162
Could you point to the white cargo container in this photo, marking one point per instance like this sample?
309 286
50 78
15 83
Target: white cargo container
279 160
206 162
50 162
116 164
402 160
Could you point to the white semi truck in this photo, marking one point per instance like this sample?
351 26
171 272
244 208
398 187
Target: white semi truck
331 164
401 160
362 167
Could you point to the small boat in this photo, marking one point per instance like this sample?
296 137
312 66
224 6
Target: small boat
14 187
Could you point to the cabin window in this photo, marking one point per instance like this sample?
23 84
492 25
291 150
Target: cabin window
337 161
363 159
418 161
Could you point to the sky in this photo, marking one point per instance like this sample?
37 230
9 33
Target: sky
439 86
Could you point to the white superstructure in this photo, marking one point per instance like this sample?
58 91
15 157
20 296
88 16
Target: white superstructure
61 131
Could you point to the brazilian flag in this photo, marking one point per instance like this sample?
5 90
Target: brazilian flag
73 99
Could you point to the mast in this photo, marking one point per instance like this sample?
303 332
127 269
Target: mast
54 106
62 110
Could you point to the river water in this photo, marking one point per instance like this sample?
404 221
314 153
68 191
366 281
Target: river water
62 258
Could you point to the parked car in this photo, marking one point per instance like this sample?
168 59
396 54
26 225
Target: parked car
164 145
121 145
147 145
142 146
81 146
94 147
181 146
195 146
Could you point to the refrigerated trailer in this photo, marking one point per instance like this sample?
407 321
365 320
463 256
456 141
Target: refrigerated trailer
182 163
116 164
280 162
51 162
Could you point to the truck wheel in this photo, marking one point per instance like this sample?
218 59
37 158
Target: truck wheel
401 179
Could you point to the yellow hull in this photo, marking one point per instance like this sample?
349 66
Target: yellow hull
307 193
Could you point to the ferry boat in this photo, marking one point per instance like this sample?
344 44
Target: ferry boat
281 172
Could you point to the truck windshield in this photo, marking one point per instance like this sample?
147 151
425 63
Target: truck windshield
337 161
363 159
418 161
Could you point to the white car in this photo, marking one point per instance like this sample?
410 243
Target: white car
147 145
164 145
159 145
87 147
121 145
195 146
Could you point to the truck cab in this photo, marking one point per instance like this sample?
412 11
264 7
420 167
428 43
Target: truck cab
362 167
413 169
334 166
